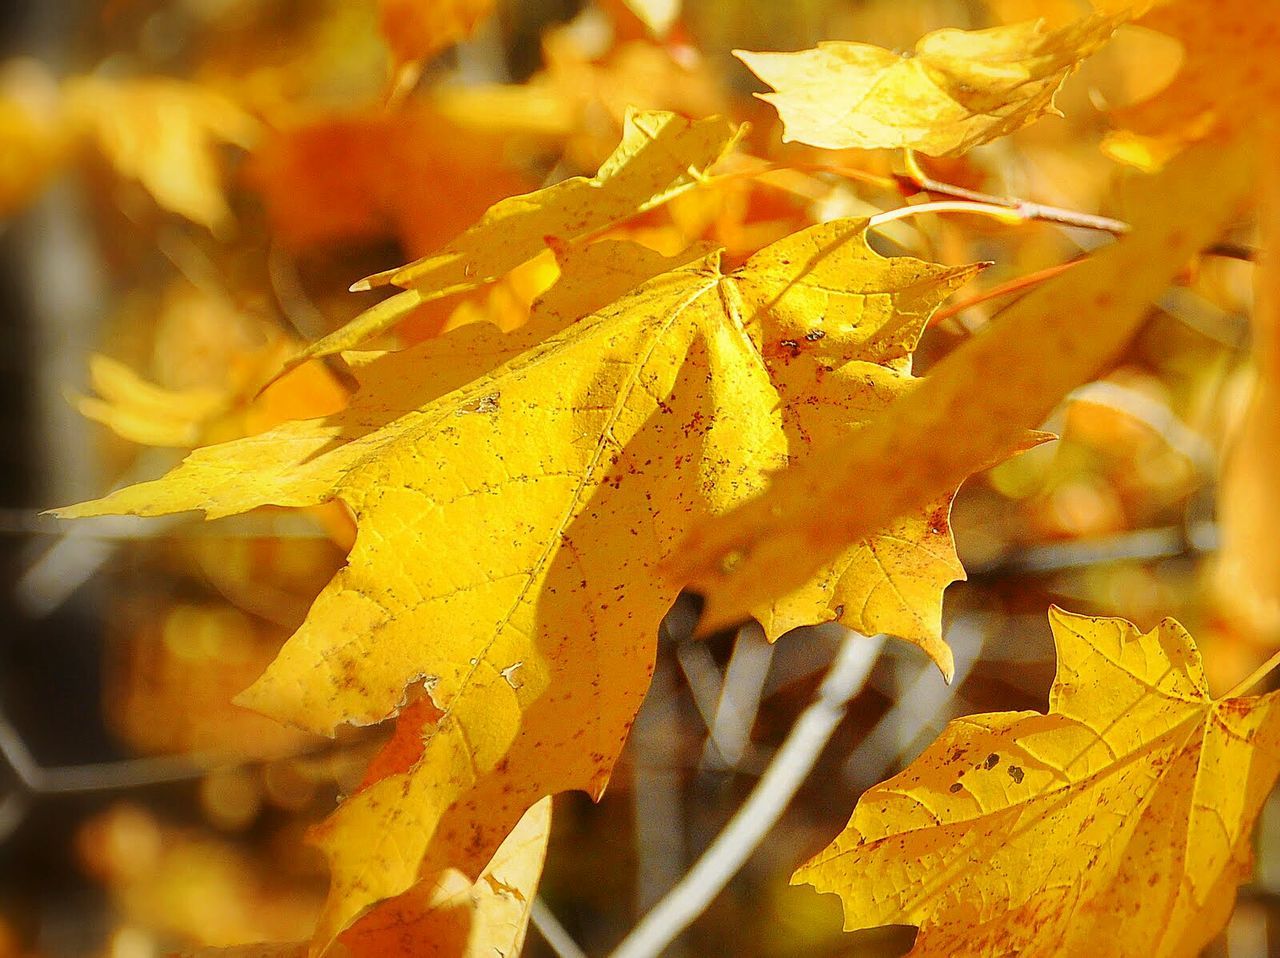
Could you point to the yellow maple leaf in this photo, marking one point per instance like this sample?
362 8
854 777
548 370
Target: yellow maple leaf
1227 79
1121 817
145 413
660 156
514 496
957 90
163 133
974 406
451 916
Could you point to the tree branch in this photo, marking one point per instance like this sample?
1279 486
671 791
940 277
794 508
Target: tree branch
762 809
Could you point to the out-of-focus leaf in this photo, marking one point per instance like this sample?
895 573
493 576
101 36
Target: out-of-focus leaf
1228 79
418 29
660 156
957 90
164 134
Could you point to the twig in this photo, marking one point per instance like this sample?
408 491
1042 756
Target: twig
552 932
1143 544
924 703
1025 210
1002 213
1256 676
658 813
739 700
1022 209
762 809
703 677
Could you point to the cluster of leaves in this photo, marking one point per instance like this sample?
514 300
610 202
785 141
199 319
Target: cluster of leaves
530 493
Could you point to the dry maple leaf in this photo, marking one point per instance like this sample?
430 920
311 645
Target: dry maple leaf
660 156
959 88
974 406
1121 817
515 495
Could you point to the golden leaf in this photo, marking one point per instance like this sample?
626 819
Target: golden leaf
515 495
145 413
959 88
658 15
1227 80
1121 817
660 156
451 916
163 133
32 142
418 29
974 407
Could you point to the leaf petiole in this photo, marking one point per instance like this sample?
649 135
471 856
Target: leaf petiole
1256 676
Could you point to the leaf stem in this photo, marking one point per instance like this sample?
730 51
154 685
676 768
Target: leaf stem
1003 289
1256 676
1002 213
762 809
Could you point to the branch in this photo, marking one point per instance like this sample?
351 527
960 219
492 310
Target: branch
762 809
554 933
1024 210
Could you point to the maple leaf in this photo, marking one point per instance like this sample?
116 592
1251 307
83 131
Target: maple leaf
418 29
1122 816
151 415
164 134
658 15
515 495
449 916
452 916
957 90
974 406
145 413
660 156
1226 80
413 173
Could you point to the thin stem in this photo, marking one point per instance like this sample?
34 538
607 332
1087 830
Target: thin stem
554 933
1002 213
762 809
917 179
1004 289
1256 676
1024 209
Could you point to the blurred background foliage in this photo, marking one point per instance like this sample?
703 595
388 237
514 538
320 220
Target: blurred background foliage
188 187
